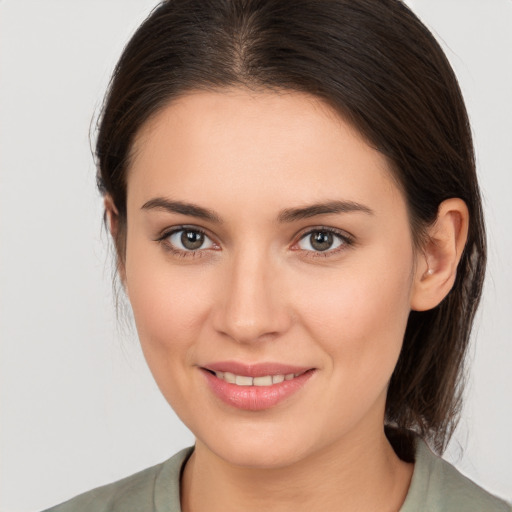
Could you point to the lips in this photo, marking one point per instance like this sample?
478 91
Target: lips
255 387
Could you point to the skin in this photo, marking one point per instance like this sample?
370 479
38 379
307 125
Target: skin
258 291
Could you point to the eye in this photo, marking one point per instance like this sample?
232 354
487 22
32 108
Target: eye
322 240
189 240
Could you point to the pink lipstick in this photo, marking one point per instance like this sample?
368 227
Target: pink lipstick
255 387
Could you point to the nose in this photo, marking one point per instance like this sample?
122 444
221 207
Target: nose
251 306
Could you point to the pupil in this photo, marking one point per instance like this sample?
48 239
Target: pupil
192 239
321 240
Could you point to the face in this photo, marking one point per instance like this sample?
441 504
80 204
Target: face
270 267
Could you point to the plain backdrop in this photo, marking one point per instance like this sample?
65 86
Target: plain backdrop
78 406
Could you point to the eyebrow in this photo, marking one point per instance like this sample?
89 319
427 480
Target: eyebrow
285 216
192 210
329 207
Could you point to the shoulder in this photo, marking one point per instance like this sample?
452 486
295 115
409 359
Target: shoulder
437 486
140 492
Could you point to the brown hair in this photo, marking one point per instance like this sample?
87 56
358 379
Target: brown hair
381 68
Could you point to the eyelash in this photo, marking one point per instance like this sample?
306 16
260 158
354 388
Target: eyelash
164 240
346 242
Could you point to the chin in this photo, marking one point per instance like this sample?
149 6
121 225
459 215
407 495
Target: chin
259 448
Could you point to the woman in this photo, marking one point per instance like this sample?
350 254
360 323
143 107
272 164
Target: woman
291 191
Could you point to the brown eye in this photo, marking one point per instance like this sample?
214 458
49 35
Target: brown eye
192 240
189 240
321 240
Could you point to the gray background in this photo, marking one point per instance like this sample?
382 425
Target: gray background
78 406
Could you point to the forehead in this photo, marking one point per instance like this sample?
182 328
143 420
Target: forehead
285 147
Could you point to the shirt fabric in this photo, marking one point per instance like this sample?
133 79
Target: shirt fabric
436 486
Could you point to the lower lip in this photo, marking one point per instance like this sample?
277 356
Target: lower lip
255 398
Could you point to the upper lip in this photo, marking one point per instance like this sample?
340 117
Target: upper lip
256 369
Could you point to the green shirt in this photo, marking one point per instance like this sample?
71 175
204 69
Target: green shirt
436 486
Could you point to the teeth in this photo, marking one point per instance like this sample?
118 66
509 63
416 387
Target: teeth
240 380
263 381
266 380
276 379
228 377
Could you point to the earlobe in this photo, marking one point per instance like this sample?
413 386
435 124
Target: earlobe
436 264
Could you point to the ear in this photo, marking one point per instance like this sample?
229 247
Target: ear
112 217
436 264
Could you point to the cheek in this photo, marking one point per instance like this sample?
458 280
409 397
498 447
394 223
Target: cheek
169 314
168 305
359 314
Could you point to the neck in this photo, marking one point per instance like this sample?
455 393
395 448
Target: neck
360 473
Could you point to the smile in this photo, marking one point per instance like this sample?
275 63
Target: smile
265 380
255 387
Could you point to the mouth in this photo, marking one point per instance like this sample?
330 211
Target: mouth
255 387
263 381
